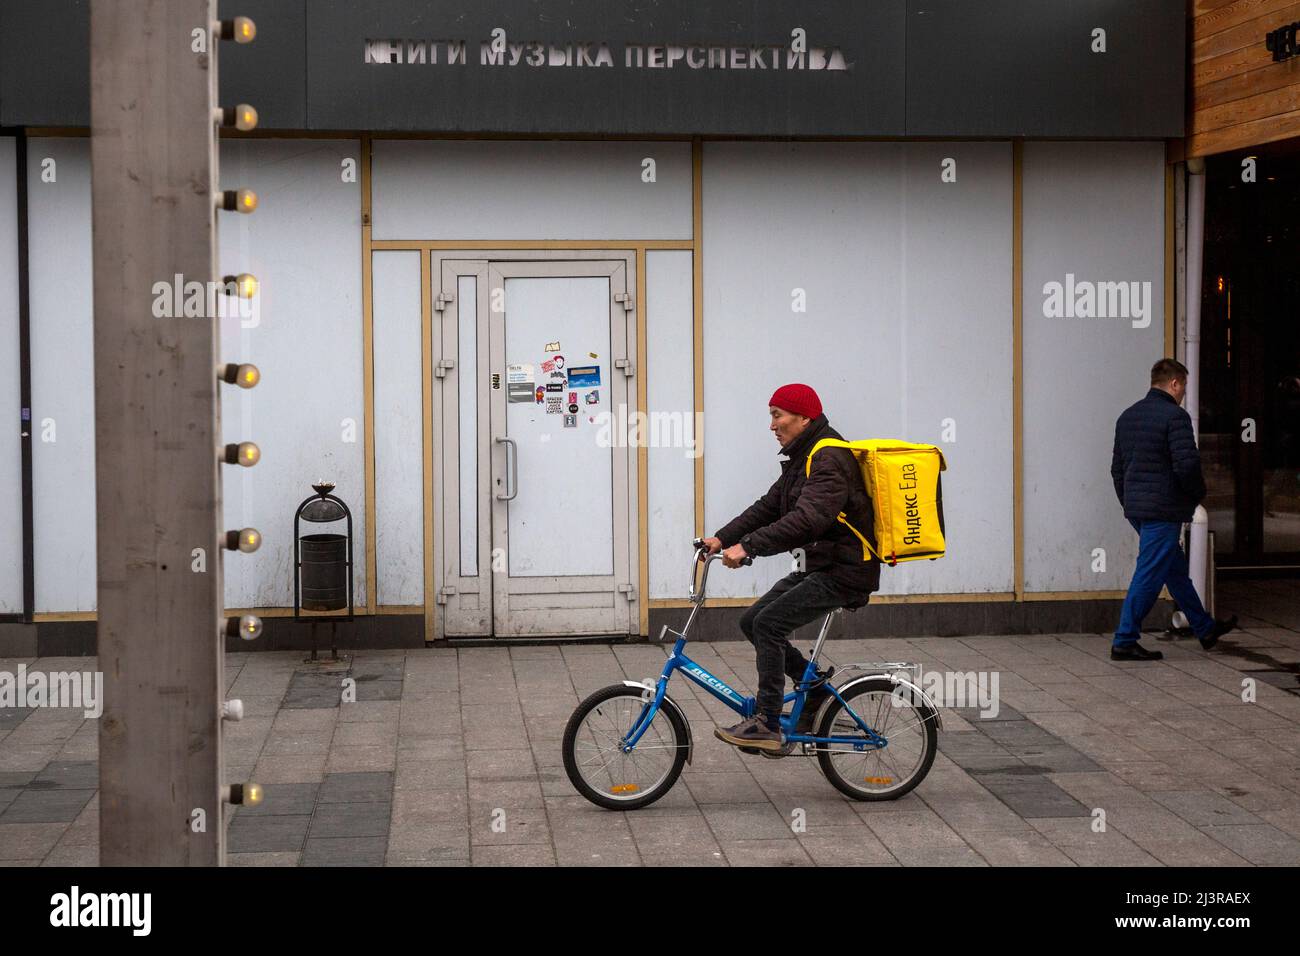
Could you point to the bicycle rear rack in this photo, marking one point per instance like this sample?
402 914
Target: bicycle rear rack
884 667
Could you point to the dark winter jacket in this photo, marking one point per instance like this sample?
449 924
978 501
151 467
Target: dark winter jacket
1155 465
800 512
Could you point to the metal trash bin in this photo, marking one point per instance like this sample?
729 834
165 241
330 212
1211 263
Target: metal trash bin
322 563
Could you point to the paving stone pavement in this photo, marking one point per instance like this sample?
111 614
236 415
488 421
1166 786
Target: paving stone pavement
451 757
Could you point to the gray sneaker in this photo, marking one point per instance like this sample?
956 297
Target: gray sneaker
752 732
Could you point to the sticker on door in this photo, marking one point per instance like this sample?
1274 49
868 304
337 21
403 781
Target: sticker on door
584 376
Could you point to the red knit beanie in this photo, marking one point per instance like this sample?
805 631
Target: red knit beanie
796 398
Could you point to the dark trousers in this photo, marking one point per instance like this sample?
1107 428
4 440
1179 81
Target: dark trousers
793 601
1160 563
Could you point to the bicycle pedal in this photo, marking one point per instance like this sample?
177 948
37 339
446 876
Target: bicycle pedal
749 750
785 751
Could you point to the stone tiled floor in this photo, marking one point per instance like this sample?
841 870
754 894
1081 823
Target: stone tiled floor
452 757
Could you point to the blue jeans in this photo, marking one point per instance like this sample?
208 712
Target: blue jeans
1160 563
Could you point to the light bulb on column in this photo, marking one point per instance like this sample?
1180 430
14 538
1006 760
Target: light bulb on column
245 376
242 794
245 453
238 200
242 117
239 29
246 540
244 285
246 628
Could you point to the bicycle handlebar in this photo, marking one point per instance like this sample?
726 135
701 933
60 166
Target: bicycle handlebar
702 556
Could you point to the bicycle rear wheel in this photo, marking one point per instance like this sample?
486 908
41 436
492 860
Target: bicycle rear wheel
593 750
886 773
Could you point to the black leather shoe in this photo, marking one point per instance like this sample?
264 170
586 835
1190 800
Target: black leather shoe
1221 627
1134 652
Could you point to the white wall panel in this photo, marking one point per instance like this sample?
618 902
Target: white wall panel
307 415
478 189
63 379
399 448
907 323
11 512
1094 211
670 395
955 357
303 243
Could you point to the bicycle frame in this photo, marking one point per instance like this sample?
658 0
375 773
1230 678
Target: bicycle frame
742 705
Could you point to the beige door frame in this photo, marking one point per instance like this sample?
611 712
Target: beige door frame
472 616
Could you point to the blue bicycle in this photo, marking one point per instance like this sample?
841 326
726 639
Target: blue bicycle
875 737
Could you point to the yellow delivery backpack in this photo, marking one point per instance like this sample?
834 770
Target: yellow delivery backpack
902 479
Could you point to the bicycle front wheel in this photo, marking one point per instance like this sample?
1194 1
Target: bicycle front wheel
595 760
885 773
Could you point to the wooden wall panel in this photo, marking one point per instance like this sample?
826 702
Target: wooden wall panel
1240 97
1216 39
1225 14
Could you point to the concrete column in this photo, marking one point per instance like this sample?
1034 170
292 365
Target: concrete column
157 428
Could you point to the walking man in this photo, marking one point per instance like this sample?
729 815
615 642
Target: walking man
1157 473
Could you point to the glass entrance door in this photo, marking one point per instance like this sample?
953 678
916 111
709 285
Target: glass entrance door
1250 361
537 502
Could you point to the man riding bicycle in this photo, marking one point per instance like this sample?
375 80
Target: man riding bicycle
798 512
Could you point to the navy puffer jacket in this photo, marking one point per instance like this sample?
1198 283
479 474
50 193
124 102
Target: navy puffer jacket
1155 465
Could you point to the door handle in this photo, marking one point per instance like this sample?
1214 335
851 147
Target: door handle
512 475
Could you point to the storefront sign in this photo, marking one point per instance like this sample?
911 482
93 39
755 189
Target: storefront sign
776 68
662 66
791 56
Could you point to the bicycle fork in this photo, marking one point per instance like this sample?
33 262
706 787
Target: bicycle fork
655 697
